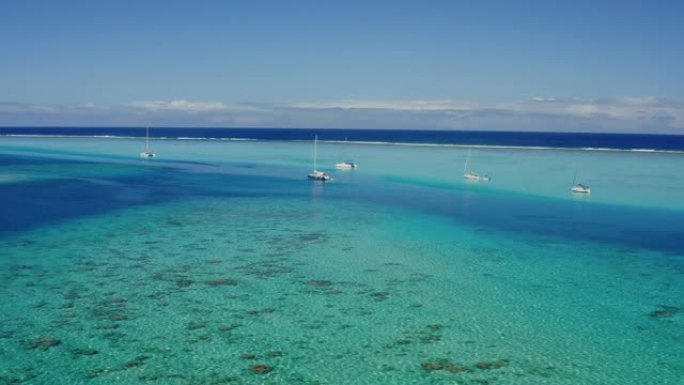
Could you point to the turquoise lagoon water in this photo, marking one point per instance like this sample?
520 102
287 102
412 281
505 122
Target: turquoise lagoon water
219 263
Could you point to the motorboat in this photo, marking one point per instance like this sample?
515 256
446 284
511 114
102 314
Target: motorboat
346 165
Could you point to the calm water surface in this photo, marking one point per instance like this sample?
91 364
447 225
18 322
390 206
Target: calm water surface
219 263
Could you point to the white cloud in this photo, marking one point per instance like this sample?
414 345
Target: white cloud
623 111
178 105
628 114
407 105
543 99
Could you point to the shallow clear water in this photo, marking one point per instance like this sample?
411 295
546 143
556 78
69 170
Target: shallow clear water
218 256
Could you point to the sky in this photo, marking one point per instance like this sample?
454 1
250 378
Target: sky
606 66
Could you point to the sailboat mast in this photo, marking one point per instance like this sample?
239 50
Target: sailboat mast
315 150
465 167
147 139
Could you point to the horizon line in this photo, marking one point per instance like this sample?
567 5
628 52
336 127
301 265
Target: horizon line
509 131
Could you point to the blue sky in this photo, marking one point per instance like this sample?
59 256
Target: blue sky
509 65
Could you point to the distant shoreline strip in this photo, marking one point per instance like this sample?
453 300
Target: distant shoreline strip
380 143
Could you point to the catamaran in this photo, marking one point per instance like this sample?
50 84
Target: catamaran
579 187
315 174
470 175
147 153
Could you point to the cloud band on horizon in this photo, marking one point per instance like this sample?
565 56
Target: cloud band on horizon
629 115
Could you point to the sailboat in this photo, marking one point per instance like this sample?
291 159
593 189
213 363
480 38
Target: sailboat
471 175
347 164
147 153
315 174
579 187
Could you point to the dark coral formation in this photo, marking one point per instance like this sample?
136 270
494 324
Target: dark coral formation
221 282
444 365
137 361
666 311
92 373
432 366
427 335
459 368
75 352
434 327
456 368
430 334
118 317
227 327
42 343
255 312
112 309
320 283
311 237
260 368
184 282
195 325
18 377
486 365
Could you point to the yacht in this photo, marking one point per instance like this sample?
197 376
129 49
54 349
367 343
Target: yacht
471 175
346 165
475 177
315 174
579 187
147 153
319 175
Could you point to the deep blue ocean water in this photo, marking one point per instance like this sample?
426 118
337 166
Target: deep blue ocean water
483 138
40 203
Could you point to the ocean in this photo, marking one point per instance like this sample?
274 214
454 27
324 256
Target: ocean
218 262
586 141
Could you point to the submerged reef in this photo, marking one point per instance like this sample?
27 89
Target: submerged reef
227 327
444 365
260 368
184 282
221 282
451 367
320 283
666 311
75 352
485 365
42 343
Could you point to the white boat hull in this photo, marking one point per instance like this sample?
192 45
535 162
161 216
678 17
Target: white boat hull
346 166
581 189
319 175
474 177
